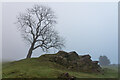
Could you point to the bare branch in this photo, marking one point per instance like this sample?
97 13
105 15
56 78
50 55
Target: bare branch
37 27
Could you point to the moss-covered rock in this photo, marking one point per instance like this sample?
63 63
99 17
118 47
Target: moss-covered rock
74 61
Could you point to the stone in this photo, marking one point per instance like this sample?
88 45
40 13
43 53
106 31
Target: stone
86 56
62 53
74 61
95 62
73 55
66 76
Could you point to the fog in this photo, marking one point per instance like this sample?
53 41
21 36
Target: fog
1 32
88 28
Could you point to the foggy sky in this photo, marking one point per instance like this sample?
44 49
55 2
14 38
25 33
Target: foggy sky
88 28
1 33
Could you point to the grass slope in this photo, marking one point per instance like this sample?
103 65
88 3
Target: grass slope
43 68
0 70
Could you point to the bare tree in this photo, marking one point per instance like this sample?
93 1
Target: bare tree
37 28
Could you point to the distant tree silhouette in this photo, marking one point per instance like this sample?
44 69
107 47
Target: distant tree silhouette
37 28
104 61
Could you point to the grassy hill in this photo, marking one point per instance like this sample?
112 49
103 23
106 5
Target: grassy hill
42 68
0 70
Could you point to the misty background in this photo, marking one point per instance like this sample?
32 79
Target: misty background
88 28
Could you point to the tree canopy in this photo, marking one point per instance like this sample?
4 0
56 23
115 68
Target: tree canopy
103 60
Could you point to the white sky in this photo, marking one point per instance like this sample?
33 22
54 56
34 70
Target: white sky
59 0
87 27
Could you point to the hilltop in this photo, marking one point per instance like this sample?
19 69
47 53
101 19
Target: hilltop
73 61
53 65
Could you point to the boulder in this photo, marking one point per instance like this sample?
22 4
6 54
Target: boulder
74 61
73 55
62 53
95 62
66 76
86 56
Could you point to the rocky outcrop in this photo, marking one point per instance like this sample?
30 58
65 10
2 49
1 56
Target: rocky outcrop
74 61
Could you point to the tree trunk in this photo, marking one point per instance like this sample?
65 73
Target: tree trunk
30 50
29 53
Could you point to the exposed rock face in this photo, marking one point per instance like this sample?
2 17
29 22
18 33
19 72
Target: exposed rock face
69 56
74 61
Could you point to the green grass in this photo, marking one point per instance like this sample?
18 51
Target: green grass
0 70
43 68
111 67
